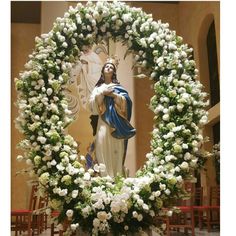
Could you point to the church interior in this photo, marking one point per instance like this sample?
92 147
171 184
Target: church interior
199 25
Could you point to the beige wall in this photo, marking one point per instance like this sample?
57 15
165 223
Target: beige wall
199 16
50 10
22 44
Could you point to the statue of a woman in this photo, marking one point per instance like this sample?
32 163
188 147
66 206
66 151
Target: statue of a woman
87 70
111 102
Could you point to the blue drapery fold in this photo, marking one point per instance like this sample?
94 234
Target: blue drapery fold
122 127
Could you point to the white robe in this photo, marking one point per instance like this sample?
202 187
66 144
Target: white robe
108 150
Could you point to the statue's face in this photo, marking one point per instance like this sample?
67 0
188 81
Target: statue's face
86 49
108 69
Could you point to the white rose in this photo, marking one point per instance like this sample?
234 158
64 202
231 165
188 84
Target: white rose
74 226
179 178
49 91
96 222
157 193
140 202
168 158
180 107
140 217
167 192
184 76
96 167
152 198
169 213
183 54
166 117
153 74
162 186
193 162
149 155
107 200
74 193
115 207
102 167
170 135
194 143
165 110
87 176
91 171
65 45
86 211
20 158
172 46
184 165
41 139
102 215
63 192
145 207
81 170
187 156
69 213
177 169
44 178
177 148
203 120
135 214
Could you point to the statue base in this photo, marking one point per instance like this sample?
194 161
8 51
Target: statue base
79 232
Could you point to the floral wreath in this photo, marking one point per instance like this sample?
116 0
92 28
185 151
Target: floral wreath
99 205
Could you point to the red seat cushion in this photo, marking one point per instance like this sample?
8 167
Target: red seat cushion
185 208
55 213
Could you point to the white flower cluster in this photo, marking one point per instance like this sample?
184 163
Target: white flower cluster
103 204
216 159
216 152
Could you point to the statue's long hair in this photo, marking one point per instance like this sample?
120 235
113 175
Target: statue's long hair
102 79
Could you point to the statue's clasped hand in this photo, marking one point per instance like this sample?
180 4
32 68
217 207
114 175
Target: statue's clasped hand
109 92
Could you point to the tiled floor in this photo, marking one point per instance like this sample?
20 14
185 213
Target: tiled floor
197 233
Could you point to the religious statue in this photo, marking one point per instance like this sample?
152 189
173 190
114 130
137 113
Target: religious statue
111 102
88 70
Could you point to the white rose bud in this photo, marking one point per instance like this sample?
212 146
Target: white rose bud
166 117
49 91
74 193
184 165
135 214
69 213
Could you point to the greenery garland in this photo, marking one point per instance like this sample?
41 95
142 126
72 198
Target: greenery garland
101 204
